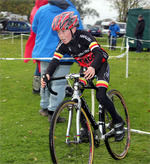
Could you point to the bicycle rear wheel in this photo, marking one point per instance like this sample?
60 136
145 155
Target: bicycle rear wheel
117 150
71 152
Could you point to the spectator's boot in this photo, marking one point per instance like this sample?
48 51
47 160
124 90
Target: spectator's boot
114 46
36 84
44 112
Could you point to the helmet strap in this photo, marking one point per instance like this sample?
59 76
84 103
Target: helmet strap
72 33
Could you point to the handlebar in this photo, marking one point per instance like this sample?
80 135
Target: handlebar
69 76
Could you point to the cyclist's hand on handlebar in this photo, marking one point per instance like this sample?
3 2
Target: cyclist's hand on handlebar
89 73
43 83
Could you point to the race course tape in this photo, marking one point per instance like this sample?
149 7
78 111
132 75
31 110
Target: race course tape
139 131
34 59
110 57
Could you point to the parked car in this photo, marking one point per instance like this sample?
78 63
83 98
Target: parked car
18 27
87 27
95 31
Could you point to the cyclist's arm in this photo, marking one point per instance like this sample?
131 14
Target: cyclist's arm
52 66
91 42
98 58
98 54
59 53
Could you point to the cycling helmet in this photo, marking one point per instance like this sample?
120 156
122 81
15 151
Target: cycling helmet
65 21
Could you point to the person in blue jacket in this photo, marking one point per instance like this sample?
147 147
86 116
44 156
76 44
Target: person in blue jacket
45 44
114 30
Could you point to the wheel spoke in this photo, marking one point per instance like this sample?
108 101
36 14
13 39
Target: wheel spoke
72 152
118 150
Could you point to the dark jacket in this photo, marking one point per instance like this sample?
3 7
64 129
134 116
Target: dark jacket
139 28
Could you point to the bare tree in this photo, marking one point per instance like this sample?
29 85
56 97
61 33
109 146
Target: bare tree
84 10
122 7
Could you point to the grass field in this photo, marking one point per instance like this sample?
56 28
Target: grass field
24 133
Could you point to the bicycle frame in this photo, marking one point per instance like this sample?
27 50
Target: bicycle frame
98 127
80 101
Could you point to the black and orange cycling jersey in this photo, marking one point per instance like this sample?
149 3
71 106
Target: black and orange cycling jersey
84 48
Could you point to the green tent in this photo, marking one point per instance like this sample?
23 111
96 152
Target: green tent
131 24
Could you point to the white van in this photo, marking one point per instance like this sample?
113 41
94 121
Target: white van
122 26
105 27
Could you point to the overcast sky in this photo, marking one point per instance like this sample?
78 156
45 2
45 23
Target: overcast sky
104 10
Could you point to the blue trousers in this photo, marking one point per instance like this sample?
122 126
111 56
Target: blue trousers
49 100
114 40
36 73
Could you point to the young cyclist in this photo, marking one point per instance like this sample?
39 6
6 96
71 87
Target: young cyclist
84 48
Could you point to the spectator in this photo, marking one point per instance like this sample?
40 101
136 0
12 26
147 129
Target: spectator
113 32
45 45
139 33
29 47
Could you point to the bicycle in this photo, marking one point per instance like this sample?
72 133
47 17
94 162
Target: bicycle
64 139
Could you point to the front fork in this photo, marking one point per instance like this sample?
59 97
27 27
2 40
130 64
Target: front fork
76 99
101 122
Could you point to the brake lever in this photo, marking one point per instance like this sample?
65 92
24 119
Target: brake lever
45 79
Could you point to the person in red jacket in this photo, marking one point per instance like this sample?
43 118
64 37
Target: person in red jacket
30 45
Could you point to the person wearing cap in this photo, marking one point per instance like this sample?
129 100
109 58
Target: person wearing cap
82 46
114 30
139 33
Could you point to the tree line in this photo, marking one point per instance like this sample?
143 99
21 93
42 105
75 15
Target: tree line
24 7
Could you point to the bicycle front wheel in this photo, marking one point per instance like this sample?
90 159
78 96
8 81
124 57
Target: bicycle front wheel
65 149
117 150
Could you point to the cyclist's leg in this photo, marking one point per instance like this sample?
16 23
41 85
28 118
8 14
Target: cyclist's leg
102 84
108 104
